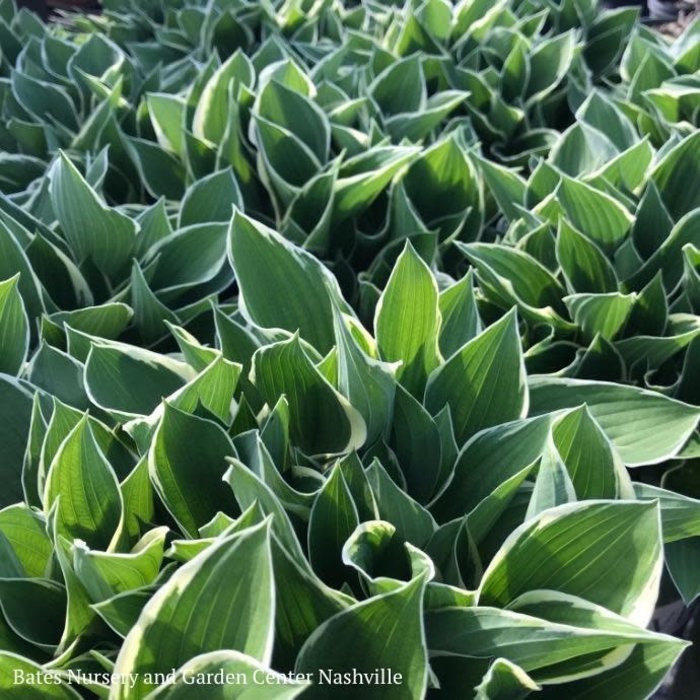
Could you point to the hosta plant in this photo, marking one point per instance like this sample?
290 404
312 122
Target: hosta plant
311 494
346 349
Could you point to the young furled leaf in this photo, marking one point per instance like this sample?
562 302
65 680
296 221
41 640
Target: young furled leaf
407 321
322 421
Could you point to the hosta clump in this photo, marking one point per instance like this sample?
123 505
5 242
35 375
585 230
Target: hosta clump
300 102
338 338
396 500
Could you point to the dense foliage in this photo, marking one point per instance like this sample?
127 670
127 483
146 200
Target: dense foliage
334 337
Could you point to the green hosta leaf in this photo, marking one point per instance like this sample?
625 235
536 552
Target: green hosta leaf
253 680
44 100
63 420
205 606
322 421
595 468
600 360
436 17
400 88
211 115
379 555
505 681
105 321
167 114
129 380
384 631
407 320
415 440
333 519
275 433
653 222
25 530
511 277
85 488
93 230
13 259
139 501
212 389
369 384
580 151
680 515
549 63
34 609
678 167
460 316
161 173
122 611
18 680
150 314
293 111
303 603
154 226
650 313
198 356
627 171
602 114
444 167
308 217
682 561
601 315
187 461
595 214
638 676
554 637
194 255
361 179
541 554
359 486
296 292
538 646
484 382
668 257
553 486
541 245
288 164
106 575
645 427
78 615
691 275
14 328
526 278
417 125
507 187
413 523
645 352
32 454
470 13
490 458
211 199
59 374
250 490
585 267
